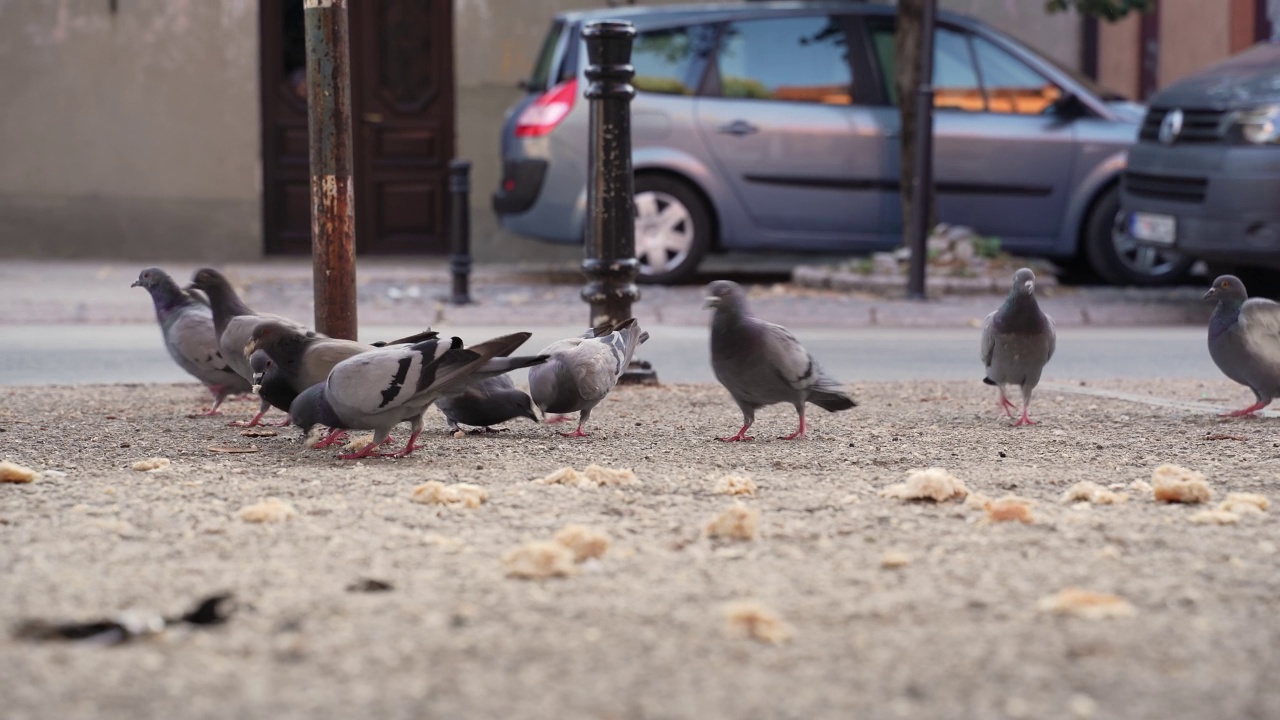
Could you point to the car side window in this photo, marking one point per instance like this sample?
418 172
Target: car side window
1011 86
955 80
666 61
793 59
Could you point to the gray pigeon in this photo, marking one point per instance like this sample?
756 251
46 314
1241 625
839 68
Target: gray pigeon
1018 340
186 324
582 370
234 322
380 389
760 363
1244 340
485 402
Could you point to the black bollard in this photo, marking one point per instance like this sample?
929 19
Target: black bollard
610 259
460 231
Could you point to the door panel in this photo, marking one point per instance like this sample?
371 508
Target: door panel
402 97
780 123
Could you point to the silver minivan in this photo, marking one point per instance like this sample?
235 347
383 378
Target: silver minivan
774 126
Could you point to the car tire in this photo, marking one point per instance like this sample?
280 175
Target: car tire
1117 259
672 222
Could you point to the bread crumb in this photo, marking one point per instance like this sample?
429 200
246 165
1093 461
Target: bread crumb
155 464
269 510
893 559
434 492
1172 483
750 619
602 476
1086 604
535 560
1215 517
1142 487
585 542
459 434
1092 492
929 484
313 436
739 522
1245 503
1010 508
563 476
356 443
12 473
735 485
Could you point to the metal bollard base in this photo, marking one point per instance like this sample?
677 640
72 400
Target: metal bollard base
639 372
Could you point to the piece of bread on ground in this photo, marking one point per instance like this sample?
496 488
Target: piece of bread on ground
603 476
1176 484
893 559
538 560
739 522
1092 492
460 495
14 473
1086 604
585 542
735 485
933 483
751 619
1010 508
269 510
155 464
1215 517
1245 503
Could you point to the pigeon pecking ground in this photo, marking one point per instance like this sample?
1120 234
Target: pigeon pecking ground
859 605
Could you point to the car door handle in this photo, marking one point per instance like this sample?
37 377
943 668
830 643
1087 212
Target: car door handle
737 128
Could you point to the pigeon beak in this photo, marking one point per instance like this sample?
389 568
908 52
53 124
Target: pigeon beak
257 384
1030 286
533 415
1211 293
135 283
711 302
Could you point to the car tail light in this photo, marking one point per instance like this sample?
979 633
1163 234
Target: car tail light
544 114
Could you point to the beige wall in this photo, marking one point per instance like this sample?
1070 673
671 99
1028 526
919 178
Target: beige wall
1118 67
129 134
1193 34
1056 35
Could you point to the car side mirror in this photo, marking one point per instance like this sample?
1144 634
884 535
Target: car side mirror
1068 107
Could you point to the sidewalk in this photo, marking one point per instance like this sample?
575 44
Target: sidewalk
414 292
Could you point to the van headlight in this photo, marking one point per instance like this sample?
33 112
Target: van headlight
1255 126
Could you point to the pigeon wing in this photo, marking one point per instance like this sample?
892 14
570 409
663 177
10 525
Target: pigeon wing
1260 327
989 339
787 358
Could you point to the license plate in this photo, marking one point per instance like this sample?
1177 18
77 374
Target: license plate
1153 229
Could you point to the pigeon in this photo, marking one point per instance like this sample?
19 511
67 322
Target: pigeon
761 363
484 402
285 361
186 323
1018 340
234 322
380 389
1244 340
582 370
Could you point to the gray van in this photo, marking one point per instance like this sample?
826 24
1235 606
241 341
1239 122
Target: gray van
1204 178
774 126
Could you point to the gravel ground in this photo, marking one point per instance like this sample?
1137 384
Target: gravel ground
641 632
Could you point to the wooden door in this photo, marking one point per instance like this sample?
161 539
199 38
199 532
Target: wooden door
402 92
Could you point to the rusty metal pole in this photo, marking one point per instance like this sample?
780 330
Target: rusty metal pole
610 250
333 244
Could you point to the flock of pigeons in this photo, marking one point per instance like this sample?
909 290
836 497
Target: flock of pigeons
346 385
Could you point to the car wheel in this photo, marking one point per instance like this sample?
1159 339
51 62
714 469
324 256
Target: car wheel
1117 258
673 229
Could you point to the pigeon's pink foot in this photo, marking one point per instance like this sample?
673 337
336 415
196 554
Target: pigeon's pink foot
1245 412
556 419
333 437
741 436
1024 420
575 433
210 412
408 447
256 421
364 452
1007 406
285 422
797 435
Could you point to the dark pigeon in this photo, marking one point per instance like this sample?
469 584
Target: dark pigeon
486 402
581 371
186 323
761 363
1244 340
380 389
1018 340
233 321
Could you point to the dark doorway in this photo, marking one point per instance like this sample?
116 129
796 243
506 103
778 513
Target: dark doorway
402 90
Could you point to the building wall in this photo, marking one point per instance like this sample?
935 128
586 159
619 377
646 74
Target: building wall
1193 34
1118 60
1056 35
130 134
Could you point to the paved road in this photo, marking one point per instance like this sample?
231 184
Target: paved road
133 353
